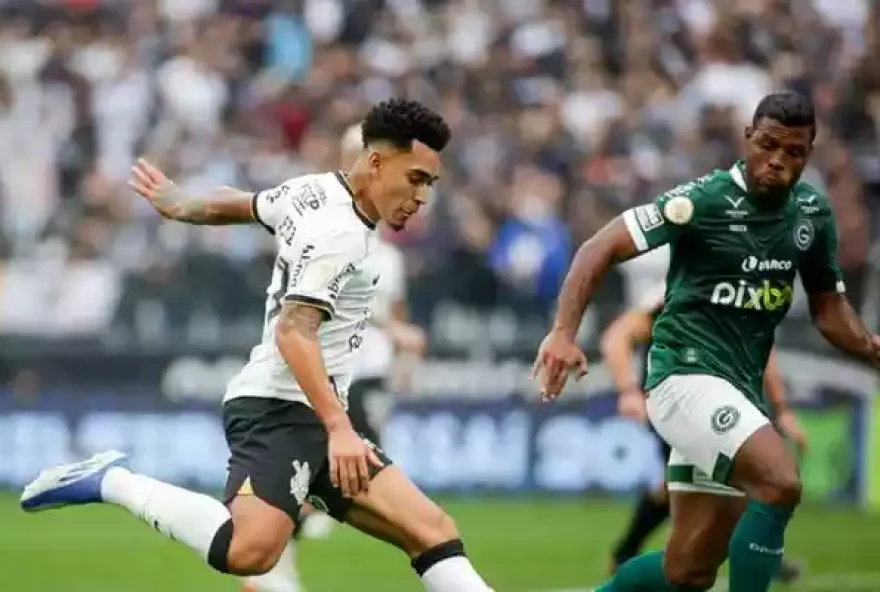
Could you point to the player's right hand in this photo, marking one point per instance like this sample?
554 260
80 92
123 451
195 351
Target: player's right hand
151 183
350 459
558 357
631 404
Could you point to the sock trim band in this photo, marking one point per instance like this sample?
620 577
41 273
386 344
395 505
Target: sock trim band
434 555
218 552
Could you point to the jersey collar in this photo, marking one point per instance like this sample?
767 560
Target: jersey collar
343 180
738 176
736 173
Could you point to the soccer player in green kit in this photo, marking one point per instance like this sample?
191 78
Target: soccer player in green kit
738 237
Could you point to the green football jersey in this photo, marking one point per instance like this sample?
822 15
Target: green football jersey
733 263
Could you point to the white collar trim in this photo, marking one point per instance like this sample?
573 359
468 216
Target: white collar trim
737 176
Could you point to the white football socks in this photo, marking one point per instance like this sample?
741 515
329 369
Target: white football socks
282 578
191 518
454 574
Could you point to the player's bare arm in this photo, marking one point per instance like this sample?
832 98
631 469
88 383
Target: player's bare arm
786 418
296 336
617 346
835 318
559 355
222 206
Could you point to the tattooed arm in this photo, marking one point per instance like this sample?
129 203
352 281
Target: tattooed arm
296 336
350 457
224 205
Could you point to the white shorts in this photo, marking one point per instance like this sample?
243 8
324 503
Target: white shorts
705 420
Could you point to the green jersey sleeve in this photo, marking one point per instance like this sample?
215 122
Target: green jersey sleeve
819 269
663 220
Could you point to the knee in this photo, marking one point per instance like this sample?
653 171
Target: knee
430 530
253 555
684 575
780 488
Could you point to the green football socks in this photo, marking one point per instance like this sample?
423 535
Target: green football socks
756 547
644 572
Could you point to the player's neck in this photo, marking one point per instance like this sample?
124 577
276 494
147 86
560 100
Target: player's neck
356 183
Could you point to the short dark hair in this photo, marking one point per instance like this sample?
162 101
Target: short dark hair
401 121
791 109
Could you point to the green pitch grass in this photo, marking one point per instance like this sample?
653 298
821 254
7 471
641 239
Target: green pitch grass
521 546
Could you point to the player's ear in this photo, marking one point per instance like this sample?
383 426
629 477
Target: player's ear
749 131
374 159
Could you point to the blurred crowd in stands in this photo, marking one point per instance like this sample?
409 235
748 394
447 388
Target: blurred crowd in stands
564 113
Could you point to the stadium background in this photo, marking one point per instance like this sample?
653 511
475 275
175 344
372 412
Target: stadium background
119 331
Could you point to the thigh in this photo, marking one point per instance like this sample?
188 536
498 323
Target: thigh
765 464
324 496
278 449
706 419
702 524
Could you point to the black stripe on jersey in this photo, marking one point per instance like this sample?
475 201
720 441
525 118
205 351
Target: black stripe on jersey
256 214
343 180
321 305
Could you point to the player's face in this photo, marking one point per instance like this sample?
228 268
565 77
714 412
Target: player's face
776 156
402 181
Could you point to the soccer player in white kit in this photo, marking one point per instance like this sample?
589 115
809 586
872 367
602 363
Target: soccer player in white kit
387 334
285 413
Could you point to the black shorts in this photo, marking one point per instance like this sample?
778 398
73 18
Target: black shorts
278 452
360 394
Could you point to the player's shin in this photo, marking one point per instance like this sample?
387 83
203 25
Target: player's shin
281 578
190 518
767 471
756 547
446 568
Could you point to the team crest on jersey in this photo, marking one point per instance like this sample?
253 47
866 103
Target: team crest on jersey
724 419
679 210
804 233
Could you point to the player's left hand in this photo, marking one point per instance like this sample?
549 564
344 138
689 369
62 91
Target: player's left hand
151 183
557 358
791 427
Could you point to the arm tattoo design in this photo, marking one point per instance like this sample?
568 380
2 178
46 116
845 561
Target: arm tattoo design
225 205
301 318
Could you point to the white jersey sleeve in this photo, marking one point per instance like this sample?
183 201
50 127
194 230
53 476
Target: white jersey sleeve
270 206
320 261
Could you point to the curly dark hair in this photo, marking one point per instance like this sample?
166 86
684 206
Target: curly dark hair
401 121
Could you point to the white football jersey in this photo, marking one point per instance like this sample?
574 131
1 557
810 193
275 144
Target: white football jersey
325 259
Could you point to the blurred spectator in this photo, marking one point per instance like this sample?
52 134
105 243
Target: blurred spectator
564 114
